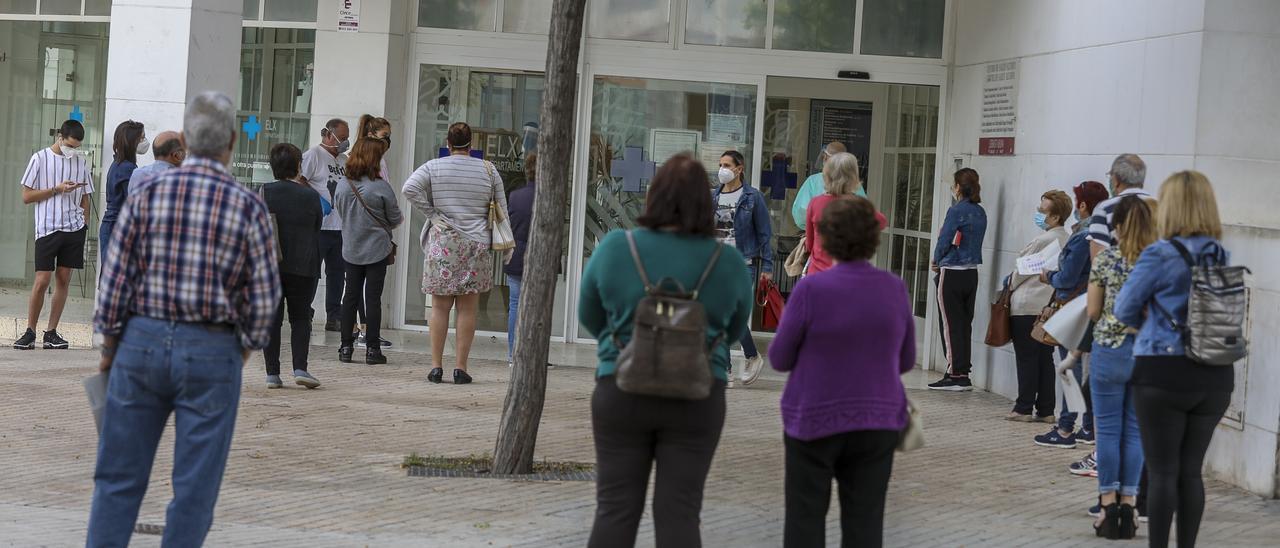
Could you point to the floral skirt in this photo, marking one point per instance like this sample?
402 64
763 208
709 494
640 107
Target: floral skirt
455 265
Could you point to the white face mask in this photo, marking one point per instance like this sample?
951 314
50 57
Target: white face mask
144 146
69 152
725 175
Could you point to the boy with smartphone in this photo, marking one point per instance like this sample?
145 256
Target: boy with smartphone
58 182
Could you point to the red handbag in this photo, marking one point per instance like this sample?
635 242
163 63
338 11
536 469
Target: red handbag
770 300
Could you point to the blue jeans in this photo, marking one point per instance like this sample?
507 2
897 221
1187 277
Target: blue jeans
513 307
1067 420
749 344
1120 454
163 367
104 238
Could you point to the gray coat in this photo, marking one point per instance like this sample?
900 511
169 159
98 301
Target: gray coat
365 240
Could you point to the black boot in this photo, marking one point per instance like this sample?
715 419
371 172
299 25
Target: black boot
344 354
1128 526
436 375
461 377
373 356
1109 527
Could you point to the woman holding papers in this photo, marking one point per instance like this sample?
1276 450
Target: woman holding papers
1035 360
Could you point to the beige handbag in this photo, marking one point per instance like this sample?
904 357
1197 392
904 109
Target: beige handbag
796 260
503 237
913 435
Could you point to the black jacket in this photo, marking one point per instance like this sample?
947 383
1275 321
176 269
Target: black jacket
296 210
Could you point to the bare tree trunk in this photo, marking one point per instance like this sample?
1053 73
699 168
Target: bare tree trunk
518 432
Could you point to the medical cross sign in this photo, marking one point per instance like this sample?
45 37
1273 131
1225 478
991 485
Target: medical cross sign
632 168
251 128
76 115
474 153
778 180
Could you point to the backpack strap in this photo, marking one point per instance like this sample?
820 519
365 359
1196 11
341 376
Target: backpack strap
1182 250
635 257
706 273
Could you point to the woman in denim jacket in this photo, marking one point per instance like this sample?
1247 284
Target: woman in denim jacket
956 259
1178 401
742 221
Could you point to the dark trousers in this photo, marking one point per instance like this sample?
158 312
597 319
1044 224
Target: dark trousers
631 433
1176 429
1035 369
860 462
749 344
335 270
957 296
366 278
298 292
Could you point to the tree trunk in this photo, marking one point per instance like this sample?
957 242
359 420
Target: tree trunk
518 432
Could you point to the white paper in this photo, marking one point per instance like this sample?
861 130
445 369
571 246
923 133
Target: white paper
1069 323
95 389
665 143
1046 259
348 15
1070 388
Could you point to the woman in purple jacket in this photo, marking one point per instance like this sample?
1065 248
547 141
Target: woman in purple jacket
846 336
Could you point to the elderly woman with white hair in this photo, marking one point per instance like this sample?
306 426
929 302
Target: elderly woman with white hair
839 179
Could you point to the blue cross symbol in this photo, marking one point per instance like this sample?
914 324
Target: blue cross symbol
779 179
76 114
474 153
251 128
632 168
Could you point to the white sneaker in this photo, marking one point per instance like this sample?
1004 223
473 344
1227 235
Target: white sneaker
751 371
730 384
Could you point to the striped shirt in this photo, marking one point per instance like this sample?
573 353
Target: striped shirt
1102 228
62 212
191 245
456 191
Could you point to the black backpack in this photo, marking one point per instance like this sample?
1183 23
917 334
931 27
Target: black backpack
668 355
1213 333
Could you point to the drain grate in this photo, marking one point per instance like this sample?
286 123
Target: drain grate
148 529
428 472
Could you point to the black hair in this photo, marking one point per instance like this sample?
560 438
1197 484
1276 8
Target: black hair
970 188
678 197
72 129
849 229
459 135
167 148
332 125
738 160
286 160
124 145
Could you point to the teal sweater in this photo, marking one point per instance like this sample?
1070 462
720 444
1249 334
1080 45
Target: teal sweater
611 288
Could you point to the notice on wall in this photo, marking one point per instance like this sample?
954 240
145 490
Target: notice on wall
665 143
844 121
348 15
999 109
727 128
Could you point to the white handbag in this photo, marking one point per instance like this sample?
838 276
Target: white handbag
913 435
503 237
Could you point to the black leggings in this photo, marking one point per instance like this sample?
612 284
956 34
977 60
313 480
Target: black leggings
1036 379
957 297
1176 429
861 463
369 279
631 434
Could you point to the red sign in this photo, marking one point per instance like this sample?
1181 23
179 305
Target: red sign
995 146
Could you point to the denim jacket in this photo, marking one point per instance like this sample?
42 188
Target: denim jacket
1073 265
1160 275
754 231
968 220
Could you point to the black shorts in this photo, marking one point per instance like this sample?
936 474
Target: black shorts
60 249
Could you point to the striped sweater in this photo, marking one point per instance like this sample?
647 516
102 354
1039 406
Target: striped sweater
456 190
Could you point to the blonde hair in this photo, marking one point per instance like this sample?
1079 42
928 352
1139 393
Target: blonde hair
1135 226
1188 207
1059 205
840 174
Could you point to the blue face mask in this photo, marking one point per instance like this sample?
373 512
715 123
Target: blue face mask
1078 215
1041 221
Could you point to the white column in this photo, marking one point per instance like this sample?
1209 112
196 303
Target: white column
163 52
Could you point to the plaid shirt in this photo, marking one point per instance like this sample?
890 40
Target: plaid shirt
192 245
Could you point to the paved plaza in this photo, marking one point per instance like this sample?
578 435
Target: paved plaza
322 468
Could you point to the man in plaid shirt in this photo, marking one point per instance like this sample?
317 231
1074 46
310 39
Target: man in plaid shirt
189 287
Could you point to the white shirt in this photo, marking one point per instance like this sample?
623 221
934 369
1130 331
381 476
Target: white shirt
324 172
728 205
62 212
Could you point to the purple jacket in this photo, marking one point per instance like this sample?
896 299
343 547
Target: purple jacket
846 336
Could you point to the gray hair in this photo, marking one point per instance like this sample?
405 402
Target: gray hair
1129 170
840 174
208 124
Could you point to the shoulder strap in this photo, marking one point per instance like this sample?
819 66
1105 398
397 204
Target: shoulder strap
706 273
1182 250
367 209
635 256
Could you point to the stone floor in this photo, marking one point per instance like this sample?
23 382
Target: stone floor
321 468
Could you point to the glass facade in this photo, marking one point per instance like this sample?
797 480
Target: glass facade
903 28
274 100
646 20
814 25
527 16
502 108
910 155
738 23
52 71
457 14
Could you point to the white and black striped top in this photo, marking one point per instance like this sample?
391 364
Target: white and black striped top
1102 226
456 191
62 212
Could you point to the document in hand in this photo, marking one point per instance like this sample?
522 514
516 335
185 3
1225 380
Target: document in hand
1070 388
1069 324
95 388
1046 259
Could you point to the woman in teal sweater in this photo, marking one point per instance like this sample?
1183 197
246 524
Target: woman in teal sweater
632 431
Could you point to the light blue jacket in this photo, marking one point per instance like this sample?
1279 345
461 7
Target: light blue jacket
754 231
1161 275
1073 265
812 188
969 221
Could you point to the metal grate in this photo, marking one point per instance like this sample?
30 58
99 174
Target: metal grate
425 472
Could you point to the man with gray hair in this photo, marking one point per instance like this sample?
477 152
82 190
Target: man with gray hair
189 287
1128 174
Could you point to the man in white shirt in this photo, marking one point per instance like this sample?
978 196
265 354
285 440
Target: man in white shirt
323 169
58 182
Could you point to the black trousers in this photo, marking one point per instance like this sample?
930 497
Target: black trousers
631 433
335 270
298 292
860 462
957 296
1176 429
1035 369
366 278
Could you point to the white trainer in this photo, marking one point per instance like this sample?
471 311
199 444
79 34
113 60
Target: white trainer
751 371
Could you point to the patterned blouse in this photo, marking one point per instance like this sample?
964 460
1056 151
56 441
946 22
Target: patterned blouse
1110 271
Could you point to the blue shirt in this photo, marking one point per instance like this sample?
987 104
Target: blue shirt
148 171
520 211
960 240
1073 266
118 177
1161 275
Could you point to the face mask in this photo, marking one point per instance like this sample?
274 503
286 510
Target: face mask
144 146
725 175
70 152
1077 214
1040 220
342 146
